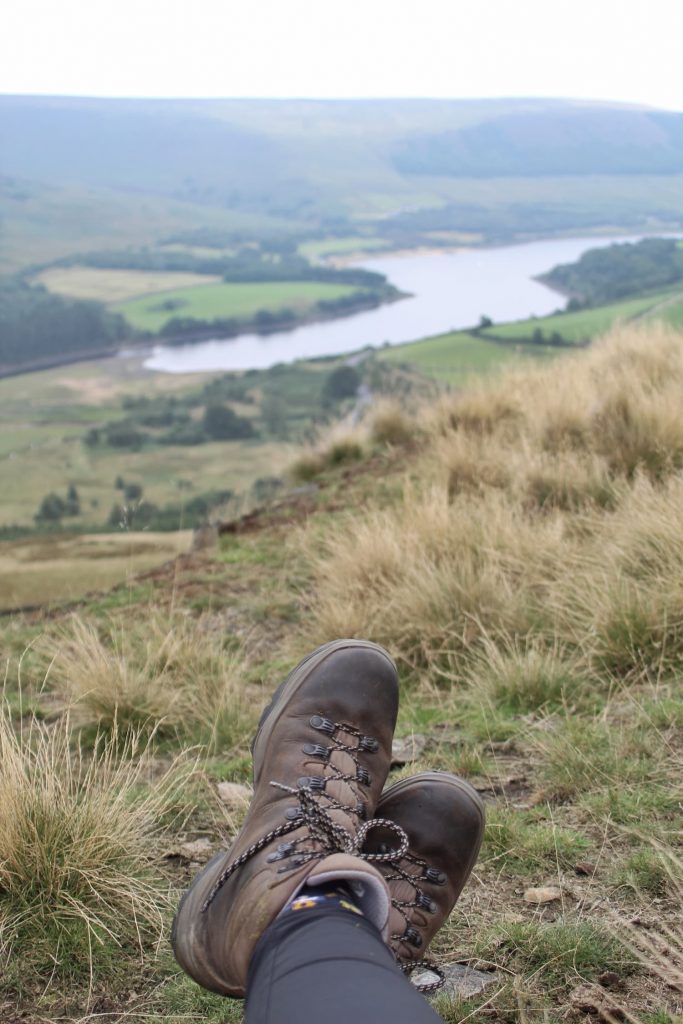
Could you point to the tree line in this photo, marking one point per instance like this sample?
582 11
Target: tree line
618 271
36 325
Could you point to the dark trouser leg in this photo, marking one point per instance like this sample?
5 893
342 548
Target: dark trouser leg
329 967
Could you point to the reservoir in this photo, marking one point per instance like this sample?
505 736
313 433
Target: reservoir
448 290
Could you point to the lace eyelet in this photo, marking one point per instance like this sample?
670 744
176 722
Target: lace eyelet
363 775
412 936
424 903
316 750
435 876
368 743
316 782
323 724
283 850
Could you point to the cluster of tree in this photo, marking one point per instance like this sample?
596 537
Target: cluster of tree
247 265
180 329
218 423
144 515
53 508
504 220
342 383
618 271
37 327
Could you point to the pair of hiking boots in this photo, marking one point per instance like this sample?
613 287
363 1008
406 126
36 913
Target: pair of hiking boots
318 816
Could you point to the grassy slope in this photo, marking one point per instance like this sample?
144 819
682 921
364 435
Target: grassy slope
44 416
44 222
449 357
213 301
61 568
556 693
457 356
588 323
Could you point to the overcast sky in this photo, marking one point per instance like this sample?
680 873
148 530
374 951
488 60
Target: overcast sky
628 50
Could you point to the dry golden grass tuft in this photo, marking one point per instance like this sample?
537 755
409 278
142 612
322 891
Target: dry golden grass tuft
389 423
169 677
78 835
340 445
545 503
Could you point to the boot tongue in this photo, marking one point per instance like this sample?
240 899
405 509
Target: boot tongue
368 885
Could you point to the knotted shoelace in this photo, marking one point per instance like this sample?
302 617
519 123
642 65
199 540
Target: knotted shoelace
327 835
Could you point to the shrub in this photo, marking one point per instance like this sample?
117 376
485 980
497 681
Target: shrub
341 383
221 423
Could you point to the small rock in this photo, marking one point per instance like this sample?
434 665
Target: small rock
584 867
610 979
593 999
407 749
463 982
234 793
198 850
544 894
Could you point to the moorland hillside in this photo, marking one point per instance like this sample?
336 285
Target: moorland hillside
517 547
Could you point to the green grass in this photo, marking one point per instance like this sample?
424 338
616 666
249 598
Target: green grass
673 314
453 358
214 301
331 246
585 323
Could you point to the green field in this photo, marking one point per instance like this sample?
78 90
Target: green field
113 285
322 247
217 301
455 357
586 323
673 314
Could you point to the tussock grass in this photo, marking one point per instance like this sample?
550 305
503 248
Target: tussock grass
527 677
386 424
389 423
340 446
167 677
545 504
530 580
78 838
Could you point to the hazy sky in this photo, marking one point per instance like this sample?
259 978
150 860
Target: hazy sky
627 50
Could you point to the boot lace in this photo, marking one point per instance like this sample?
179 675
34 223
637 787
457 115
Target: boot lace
420 901
322 835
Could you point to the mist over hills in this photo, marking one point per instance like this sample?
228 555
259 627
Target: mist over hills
404 170
197 149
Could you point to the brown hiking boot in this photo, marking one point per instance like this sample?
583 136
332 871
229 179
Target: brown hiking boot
321 756
443 818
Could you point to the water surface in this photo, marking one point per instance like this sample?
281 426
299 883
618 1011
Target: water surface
448 290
